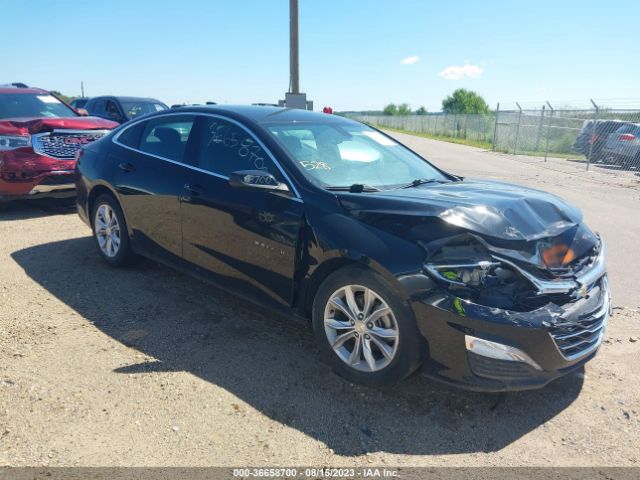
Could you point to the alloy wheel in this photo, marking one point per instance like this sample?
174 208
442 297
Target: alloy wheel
361 328
107 230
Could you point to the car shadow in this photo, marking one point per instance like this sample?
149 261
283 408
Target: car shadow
608 166
613 166
25 209
271 363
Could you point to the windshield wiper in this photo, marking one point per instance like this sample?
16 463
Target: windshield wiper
355 188
421 181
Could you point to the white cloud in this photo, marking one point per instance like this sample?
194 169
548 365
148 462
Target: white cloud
457 72
410 60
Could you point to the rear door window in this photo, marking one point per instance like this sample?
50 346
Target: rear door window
166 137
130 137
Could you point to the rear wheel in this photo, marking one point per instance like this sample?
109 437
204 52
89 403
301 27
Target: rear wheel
368 334
110 231
595 156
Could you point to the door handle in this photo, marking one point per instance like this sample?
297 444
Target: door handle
194 189
126 167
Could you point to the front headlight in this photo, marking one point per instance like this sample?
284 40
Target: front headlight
460 262
470 272
11 142
489 283
467 274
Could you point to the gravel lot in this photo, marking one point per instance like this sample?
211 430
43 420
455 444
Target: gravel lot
149 367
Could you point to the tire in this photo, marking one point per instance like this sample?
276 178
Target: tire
116 255
596 155
404 354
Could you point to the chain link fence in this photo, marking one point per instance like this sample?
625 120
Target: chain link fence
474 128
606 136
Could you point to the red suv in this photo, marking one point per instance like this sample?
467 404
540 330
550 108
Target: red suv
39 137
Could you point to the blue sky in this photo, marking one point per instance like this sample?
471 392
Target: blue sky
352 51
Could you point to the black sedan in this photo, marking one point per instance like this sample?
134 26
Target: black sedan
397 264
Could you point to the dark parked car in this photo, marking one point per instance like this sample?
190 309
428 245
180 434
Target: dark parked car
123 109
623 146
77 103
397 263
593 137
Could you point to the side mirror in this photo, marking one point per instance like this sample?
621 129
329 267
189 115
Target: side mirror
258 179
82 112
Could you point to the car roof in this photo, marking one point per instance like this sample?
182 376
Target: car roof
266 114
606 125
611 121
32 91
127 99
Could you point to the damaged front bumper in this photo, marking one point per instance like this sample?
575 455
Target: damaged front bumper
53 184
27 174
492 349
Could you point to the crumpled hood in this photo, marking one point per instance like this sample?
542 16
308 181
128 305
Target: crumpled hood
492 209
26 126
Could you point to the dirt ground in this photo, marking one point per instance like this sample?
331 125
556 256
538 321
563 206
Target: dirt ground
149 367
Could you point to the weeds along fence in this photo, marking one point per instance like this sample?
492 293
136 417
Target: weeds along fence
475 128
593 135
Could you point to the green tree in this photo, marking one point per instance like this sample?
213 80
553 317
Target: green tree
391 109
62 97
404 109
464 101
421 111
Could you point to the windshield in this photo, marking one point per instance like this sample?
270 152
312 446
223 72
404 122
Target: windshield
335 155
137 109
16 105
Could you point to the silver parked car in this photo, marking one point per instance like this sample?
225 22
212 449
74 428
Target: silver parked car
623 146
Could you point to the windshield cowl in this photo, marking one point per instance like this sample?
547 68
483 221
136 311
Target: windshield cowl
355 188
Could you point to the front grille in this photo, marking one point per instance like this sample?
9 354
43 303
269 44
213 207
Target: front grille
64 144
579 337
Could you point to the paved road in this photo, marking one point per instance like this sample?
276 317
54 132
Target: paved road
610 201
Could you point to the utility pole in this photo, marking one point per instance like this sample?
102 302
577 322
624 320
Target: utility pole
293 98
294 66
82 88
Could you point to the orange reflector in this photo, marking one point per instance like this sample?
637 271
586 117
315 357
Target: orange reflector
557 255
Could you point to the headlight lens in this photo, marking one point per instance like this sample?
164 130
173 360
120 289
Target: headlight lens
460 263
10 142
467 274
486 282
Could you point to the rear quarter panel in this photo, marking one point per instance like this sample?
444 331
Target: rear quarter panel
93 170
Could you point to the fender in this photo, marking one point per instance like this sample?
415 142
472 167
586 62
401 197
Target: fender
338 239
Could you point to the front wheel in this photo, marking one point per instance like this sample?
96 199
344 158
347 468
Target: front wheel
110 231
368 334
